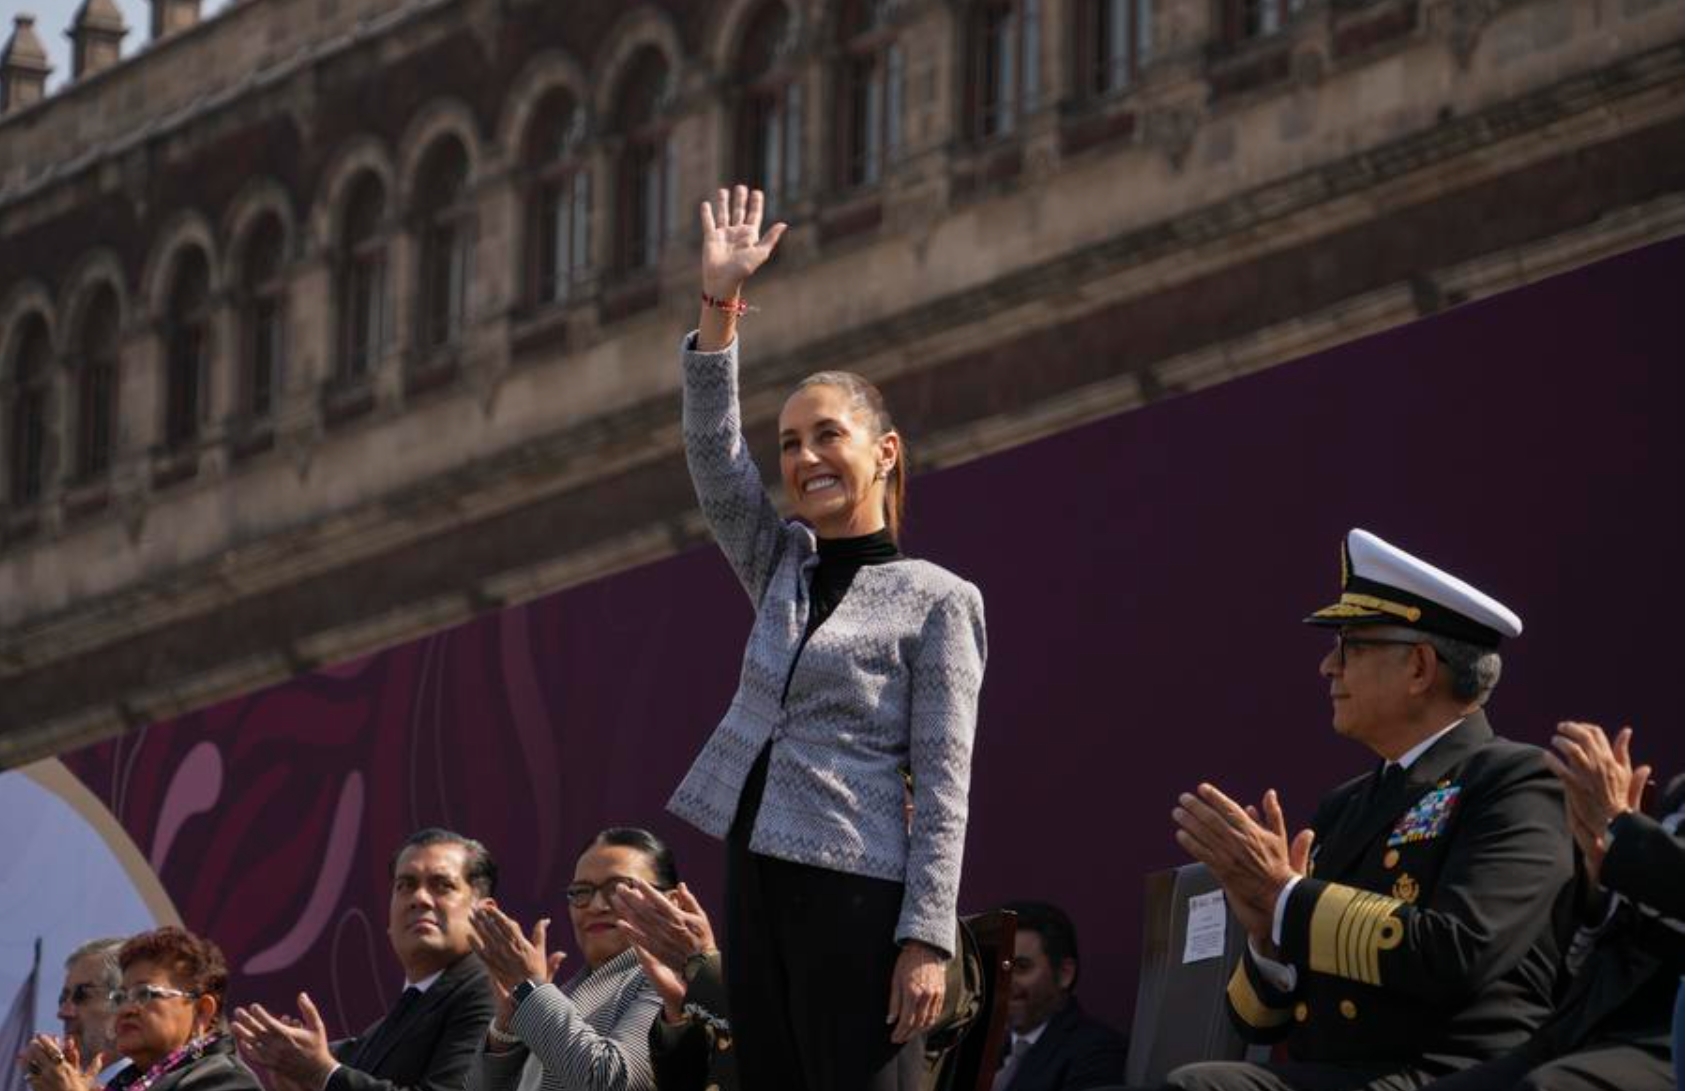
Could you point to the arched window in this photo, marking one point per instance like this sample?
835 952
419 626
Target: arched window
445 222
769 128
559 199
869 93
96 384
362 279
1245 20
263 317
645 163
1004 68
1114 39
187 343
32 358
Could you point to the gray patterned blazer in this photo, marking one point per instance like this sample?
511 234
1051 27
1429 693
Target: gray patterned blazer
592 1034
890 680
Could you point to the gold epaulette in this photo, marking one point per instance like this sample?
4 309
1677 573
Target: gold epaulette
1350 928
1248 1005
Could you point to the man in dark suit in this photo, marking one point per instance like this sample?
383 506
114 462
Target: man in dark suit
1416 928
1612 1027
1053 1046
425 1043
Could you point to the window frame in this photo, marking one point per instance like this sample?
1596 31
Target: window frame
30 398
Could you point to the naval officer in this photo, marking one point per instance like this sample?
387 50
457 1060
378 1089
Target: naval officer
1416 927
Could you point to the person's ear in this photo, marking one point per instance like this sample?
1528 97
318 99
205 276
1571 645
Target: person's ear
1067 974
889 454
205 1011
1425 667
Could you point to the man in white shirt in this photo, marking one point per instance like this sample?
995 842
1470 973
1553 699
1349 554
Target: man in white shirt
1416 928
1054 1046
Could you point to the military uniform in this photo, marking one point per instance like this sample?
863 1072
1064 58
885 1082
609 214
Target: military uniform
1429 931
1427 934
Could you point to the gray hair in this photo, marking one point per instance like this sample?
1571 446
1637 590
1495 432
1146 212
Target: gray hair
1475 670
111 975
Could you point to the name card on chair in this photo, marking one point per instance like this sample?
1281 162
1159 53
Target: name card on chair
1204 938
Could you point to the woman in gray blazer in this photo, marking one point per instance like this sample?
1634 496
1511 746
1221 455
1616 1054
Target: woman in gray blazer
859 685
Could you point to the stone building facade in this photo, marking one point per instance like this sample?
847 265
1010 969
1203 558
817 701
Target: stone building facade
326 323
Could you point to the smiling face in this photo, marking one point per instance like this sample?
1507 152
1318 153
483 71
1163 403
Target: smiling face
428 917
1039 987
148 1031
594 923
834 463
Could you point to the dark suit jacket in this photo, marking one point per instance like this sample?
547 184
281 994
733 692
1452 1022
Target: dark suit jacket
1073 1052
1625 990
437 1044
1441 946
220 1069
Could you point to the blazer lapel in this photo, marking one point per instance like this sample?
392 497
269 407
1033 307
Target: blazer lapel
1363 823
382 1044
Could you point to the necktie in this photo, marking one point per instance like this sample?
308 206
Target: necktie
1004 1076
1386 781
389 1030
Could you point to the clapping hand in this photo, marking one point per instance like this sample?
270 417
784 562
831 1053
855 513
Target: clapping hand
665 932
49 1065
1600 784
294 1049
510 956
1247 849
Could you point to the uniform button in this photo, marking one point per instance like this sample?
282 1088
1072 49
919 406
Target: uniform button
1390 859
1349 1009
1301 1012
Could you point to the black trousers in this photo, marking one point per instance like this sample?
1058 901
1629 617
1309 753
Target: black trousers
1597 1066
1294 1076
808 959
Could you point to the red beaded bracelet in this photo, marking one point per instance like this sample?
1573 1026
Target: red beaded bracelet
736 307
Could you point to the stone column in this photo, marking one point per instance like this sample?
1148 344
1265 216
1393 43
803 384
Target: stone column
96 36
23 67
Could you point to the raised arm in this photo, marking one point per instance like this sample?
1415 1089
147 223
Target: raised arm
728 484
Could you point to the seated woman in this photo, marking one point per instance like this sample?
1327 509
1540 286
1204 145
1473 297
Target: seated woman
592 1033
169 1023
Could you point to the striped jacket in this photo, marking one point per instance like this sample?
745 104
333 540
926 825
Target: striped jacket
592 1034
890 681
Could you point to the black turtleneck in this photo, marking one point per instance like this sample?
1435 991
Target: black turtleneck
840 559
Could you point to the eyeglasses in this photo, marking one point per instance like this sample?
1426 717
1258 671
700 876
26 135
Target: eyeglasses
581 895
79 995
145 994
1343 642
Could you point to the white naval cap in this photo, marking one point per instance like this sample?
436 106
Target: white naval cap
1383 584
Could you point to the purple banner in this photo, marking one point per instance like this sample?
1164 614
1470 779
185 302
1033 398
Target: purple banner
1144 579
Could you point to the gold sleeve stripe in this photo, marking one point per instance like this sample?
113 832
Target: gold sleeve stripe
1350 929
1249 1006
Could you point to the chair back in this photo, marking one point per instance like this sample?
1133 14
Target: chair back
987 941
1181 1015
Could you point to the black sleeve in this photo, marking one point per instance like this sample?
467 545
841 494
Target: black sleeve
1644 864
453 1051
679 1054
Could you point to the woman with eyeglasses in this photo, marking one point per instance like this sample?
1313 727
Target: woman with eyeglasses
168 1020
592 1032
